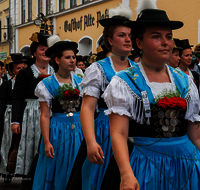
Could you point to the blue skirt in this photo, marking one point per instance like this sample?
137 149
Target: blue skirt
92 174
168 164
54 173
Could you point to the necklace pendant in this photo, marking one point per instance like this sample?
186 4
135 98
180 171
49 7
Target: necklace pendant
73 126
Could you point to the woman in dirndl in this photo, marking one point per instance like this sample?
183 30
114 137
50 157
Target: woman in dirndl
88 171
186 60
163 104
25 108
61 134
16 63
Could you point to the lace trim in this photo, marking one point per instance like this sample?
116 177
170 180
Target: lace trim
43 94
36 72
104 81
137 109
15 123
193 106
118 110
91 91
149 84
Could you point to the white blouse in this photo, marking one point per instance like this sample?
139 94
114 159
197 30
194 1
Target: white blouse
94 80
43 94
119 97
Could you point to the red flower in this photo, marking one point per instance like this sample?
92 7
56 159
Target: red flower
172 102
77 92
44 76
194 81
67 93
163 102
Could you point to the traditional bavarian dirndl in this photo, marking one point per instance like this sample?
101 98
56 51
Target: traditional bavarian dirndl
162 156
65 135
94 83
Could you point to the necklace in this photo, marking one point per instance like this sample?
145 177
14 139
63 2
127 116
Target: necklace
122 58
185 69
63 76
118 68
157 69
41 67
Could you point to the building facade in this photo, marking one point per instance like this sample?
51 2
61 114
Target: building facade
77 20
4 29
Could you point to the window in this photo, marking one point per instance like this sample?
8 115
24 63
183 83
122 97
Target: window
8 28
85 1
73 3
40 6
29 10
48 7
61 5
23 11
0 31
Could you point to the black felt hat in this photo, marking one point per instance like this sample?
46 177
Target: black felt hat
115 20
185 44
58 46
177 43
153 17
40 38
79 58
16 58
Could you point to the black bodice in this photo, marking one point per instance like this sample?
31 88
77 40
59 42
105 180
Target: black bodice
162 124
24 89
101 103
57 107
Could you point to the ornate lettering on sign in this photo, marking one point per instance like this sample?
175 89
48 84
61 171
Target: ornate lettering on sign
87 20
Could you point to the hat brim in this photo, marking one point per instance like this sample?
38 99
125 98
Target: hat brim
174 25
58 46
117 20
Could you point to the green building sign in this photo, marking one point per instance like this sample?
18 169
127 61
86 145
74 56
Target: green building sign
3 55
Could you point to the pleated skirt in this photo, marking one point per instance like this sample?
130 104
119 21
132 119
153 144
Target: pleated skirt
53 174
6 140
167 163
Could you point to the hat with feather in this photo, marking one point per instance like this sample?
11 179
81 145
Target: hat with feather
117 16
149 15
55 45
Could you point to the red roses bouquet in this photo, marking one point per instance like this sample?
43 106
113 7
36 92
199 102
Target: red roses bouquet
68 97
68 93
172 102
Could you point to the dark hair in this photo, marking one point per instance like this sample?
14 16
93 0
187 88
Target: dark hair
59 54
138 33
33 47
1 64
108 32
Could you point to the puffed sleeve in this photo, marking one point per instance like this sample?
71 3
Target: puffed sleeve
193 104
43 94
118 98
92 81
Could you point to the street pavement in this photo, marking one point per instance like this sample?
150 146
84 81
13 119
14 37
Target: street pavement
14 185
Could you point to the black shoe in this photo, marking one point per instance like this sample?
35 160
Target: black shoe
7 179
